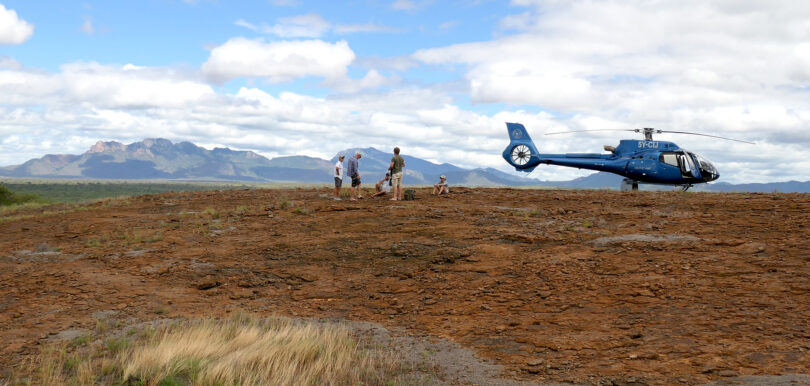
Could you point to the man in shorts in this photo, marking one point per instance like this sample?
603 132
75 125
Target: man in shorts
441 187
338 177
352 170
383 186
397 163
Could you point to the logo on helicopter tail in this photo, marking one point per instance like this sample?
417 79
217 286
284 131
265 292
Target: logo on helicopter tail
517 134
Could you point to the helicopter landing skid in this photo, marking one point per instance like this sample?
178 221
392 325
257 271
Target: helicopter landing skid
685 187
628 185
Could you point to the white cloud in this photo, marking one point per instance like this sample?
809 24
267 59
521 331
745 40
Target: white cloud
448 24
9 63
522 21
303 26
13 30
102 86
312 26
403 5
677 65
344 29
373 79
278 61
410 5
131 102
800 63
518 83
246 24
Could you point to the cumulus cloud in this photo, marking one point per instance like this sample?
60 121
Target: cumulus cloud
13 30
127 87
278 61
679 65
129 103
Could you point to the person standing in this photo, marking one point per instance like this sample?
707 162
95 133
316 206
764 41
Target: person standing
397 163
353 171
338 177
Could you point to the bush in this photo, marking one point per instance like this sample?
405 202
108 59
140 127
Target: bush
8 197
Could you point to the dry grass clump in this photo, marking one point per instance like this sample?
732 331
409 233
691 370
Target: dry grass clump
242 350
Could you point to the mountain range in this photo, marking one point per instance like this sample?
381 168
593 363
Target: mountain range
161 159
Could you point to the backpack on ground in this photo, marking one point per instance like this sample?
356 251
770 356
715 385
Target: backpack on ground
410 194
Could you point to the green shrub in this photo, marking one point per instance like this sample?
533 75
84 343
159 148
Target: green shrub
8 197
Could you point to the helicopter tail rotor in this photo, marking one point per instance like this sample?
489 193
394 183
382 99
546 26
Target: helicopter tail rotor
521 152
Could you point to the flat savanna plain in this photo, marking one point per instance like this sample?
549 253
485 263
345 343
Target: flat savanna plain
556 286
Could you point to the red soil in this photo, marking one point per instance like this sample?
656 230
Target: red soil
578 286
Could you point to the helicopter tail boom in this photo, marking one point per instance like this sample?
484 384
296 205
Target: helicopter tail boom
521 152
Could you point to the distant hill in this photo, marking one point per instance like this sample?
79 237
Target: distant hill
159 158
148 159
781 187
602 180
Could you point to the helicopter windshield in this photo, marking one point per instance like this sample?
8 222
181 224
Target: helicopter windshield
707 169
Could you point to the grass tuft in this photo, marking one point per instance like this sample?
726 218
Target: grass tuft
213 213
242 350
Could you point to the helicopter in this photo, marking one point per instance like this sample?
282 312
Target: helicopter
639 161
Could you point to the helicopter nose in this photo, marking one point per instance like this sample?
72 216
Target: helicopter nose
715 174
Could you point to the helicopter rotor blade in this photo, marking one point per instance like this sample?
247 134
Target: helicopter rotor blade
705 135
585 131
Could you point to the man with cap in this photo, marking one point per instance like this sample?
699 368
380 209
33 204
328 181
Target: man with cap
352 170
338 176
441 187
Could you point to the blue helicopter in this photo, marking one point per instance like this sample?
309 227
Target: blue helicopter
639 161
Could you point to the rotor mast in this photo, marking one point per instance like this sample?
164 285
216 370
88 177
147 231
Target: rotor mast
648 132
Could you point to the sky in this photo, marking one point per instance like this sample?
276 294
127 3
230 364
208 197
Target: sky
439 79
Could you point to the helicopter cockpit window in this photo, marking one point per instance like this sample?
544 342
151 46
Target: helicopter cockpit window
705 165
669 158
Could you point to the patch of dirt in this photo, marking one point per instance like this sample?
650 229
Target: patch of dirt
542 286
644 238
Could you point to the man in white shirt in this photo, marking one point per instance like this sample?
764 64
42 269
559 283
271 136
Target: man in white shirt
338 177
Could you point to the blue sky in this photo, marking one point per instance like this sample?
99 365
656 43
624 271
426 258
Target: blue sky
437 78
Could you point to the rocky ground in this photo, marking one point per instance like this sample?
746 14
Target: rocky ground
552 286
